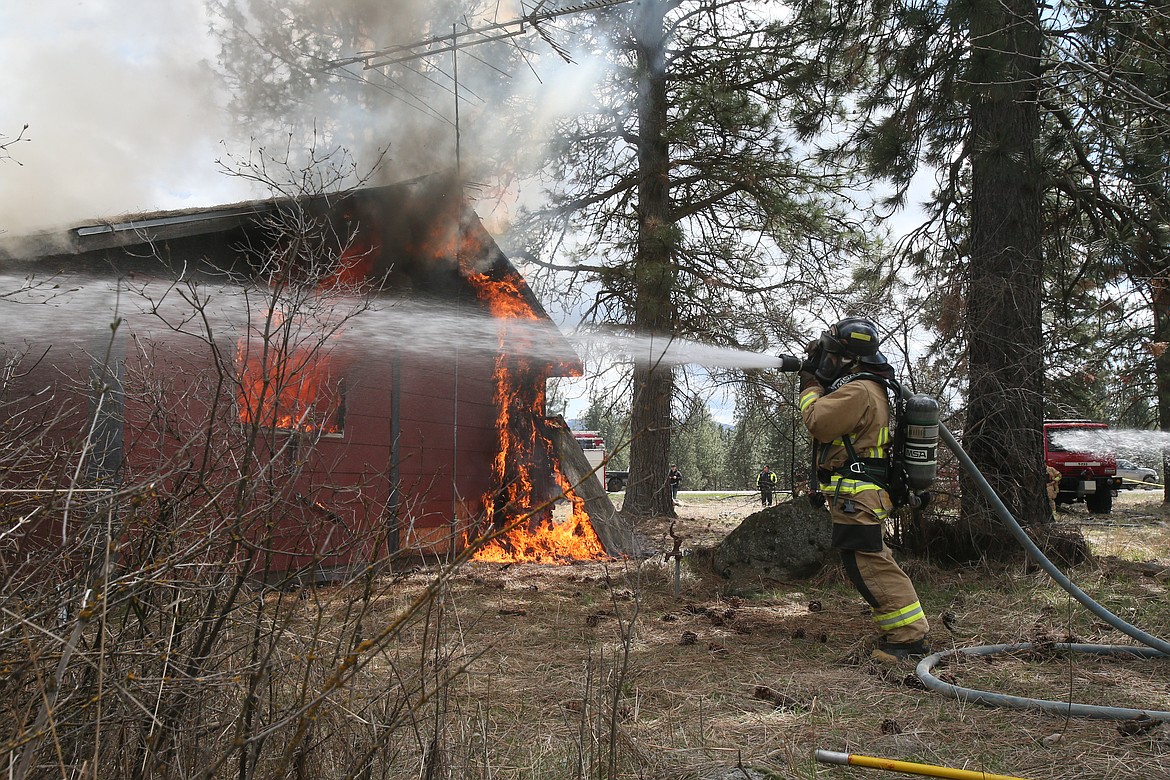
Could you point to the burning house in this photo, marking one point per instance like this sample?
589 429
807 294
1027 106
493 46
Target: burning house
305 386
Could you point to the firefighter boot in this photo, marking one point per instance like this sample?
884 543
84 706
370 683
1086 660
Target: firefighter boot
893 653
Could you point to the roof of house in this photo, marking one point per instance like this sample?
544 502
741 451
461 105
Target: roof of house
429 243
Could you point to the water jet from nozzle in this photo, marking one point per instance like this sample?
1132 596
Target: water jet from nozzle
673 351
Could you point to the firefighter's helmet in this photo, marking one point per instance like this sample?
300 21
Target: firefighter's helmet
852 340
855 336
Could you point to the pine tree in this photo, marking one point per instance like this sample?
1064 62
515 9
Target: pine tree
681 203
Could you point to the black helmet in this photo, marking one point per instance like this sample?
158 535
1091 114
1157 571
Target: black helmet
854 336
851 339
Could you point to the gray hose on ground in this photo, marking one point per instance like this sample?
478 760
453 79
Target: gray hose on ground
1155 647
1048 566
1061 708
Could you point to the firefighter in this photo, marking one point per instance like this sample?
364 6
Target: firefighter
848 417
766 482
674 478
1053 487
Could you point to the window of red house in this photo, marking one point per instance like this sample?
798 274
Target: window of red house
291 389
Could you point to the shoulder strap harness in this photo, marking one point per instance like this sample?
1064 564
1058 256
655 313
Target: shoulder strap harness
875 470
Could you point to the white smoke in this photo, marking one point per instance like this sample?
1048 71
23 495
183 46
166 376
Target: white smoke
123 110
127 112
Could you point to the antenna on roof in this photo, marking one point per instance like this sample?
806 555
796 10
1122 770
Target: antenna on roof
452 42
472 36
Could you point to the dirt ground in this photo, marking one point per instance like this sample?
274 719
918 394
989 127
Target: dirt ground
708 517
640 668
695 680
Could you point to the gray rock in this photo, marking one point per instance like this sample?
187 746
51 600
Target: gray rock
787 541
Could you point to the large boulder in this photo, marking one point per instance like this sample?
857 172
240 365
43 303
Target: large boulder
787 541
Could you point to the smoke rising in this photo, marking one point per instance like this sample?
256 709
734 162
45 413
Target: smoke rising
124 111
130 105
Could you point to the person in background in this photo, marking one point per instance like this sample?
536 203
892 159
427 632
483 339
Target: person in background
1053 487
847 412
766 482
674 478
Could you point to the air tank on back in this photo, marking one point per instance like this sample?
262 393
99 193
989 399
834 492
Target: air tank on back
920 449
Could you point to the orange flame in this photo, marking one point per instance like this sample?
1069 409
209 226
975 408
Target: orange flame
504 297
290 387
523 449
355 265
447 240
286 390
550 542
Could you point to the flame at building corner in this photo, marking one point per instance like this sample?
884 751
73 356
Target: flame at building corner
524 499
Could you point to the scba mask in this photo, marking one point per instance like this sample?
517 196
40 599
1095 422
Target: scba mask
831 365
851 340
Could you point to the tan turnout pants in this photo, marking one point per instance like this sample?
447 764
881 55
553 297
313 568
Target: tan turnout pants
871 567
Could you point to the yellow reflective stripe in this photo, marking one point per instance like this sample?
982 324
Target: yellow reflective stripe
849 488
807 397
879 450
902 617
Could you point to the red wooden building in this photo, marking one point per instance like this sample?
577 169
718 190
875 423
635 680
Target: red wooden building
299 386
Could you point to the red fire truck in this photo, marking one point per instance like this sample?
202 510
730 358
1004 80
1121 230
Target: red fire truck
594 447
1086 474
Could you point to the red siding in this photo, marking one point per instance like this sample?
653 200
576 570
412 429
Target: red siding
335 511
424 423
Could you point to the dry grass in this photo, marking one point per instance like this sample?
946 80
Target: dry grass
713 680
600 670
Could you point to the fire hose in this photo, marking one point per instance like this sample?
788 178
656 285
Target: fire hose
1153 646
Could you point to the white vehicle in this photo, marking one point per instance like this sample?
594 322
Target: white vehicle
1133 475
594 448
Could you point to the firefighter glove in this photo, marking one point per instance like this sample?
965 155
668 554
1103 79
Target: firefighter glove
812 360
808 379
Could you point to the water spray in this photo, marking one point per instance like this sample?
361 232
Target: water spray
1113 441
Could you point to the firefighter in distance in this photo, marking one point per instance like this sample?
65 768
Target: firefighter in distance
845 407
766 482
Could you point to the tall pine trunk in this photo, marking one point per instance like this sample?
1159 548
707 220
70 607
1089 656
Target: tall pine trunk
1160 293
654 272
1005 409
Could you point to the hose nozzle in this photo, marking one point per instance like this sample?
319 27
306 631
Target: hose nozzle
790 363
